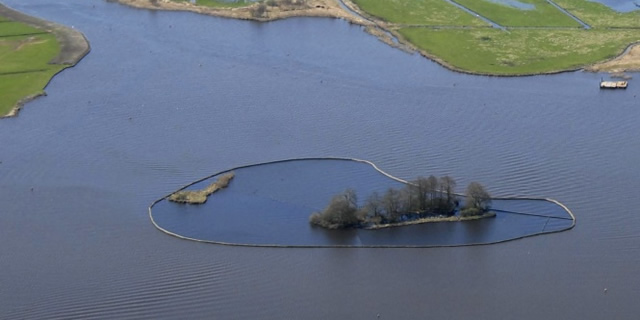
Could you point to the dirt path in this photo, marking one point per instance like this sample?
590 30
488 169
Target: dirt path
628 61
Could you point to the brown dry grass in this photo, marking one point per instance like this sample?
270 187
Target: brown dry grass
200 196
625 63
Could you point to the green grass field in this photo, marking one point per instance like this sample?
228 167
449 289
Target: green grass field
419 12
539 38
220 4
521 51
544 14
24 67
17 28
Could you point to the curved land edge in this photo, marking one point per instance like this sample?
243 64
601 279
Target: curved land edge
73 47
627 61
383 30
375 167
312 8
200 196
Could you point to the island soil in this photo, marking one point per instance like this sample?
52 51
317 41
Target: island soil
200 196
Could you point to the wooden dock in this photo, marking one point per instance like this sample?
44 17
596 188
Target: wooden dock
613 84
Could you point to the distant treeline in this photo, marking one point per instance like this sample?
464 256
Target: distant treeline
422 198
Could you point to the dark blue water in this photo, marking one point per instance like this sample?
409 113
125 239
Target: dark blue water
165 98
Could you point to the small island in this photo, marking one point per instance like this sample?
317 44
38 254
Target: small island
423 200
200 196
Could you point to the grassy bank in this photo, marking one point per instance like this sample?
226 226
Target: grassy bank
25 53
521 51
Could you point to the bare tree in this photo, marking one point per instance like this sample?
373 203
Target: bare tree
391 204
420 188
447 187
478 200
432 187
373 205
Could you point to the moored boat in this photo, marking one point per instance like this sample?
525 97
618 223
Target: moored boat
613 84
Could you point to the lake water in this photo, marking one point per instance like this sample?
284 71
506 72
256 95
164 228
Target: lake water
165 98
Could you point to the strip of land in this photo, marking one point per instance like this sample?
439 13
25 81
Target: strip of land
32 51
431 220
533 37
258 11
200 196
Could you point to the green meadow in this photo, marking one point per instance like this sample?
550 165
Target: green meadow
25 53
519 52
538 37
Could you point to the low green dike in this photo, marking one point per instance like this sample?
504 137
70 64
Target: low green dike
519 51
373 165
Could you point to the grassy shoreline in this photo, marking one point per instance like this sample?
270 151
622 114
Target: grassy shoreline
32 52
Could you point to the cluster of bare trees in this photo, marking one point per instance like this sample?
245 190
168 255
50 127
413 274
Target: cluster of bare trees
423 197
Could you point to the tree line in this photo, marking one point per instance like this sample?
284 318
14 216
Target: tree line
421 198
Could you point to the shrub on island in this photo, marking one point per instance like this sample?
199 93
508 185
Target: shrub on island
342 212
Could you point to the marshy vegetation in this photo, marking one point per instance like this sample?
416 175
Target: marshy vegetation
200 196
423 200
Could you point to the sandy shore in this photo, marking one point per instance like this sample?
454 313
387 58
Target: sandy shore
431 220
311 8
73 46
628 61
